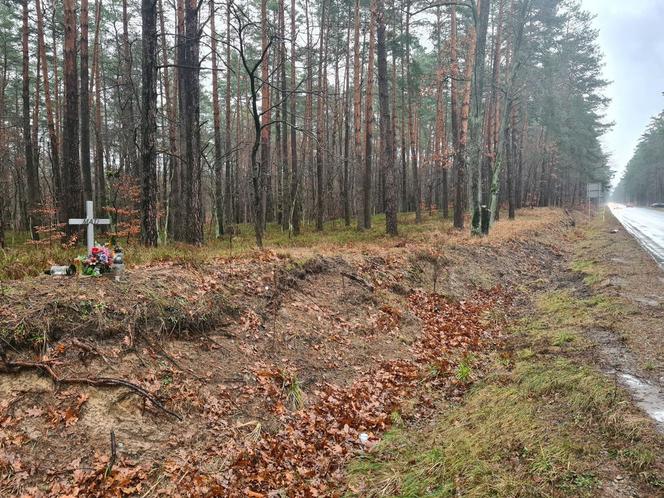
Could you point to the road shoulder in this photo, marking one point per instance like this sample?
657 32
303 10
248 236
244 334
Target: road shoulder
617 267
552 418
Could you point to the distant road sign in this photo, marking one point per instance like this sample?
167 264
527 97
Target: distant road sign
595 191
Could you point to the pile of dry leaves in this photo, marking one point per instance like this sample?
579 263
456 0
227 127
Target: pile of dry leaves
305 450
306 456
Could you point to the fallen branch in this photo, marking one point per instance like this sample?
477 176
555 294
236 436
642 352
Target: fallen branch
160 350
87 348
96 382
358 279
111 461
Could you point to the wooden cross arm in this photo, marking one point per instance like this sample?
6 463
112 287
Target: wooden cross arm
94 221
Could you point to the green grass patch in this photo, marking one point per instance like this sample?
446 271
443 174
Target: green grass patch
565 309
564 338
509 440
292 387
464 370
593 274
21 259
541 428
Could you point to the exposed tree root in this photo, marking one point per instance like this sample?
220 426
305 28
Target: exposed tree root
358 279
87 348
13 366
113 457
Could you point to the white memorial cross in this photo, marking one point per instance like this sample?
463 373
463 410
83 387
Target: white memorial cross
90 221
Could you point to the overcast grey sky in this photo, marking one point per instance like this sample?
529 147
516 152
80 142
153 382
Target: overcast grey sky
633 45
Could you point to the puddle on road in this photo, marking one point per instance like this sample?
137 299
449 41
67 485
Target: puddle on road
647 396
620 261
647 300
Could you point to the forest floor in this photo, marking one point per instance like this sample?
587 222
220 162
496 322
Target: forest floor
426 365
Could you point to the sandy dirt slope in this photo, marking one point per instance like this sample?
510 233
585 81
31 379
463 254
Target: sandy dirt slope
276 368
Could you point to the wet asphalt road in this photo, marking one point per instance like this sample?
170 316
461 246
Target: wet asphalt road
646 225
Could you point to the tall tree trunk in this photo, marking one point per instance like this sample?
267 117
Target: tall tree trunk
369 119
58 84
332 133
266 166
440 136
440 141
190 115
100 175
320 127
218 154
56 93
3 199
70 150
257 174
493 112
127 97
186 199
228 197
238 135
477 117
460 151
278 142
518 23
518 187
104 95
295 195
454 104
394 120
50 121
346 131
308 152
510 146
35 122
386 124
357 99
171 115
85 105
412 128
176 204
31 169
403 128
149 233
283 107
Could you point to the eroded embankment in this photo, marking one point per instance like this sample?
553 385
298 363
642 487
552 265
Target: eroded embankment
281 369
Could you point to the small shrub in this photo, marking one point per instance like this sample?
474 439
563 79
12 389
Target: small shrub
464 370
293 389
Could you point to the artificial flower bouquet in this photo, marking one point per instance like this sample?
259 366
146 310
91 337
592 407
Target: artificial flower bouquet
99 261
